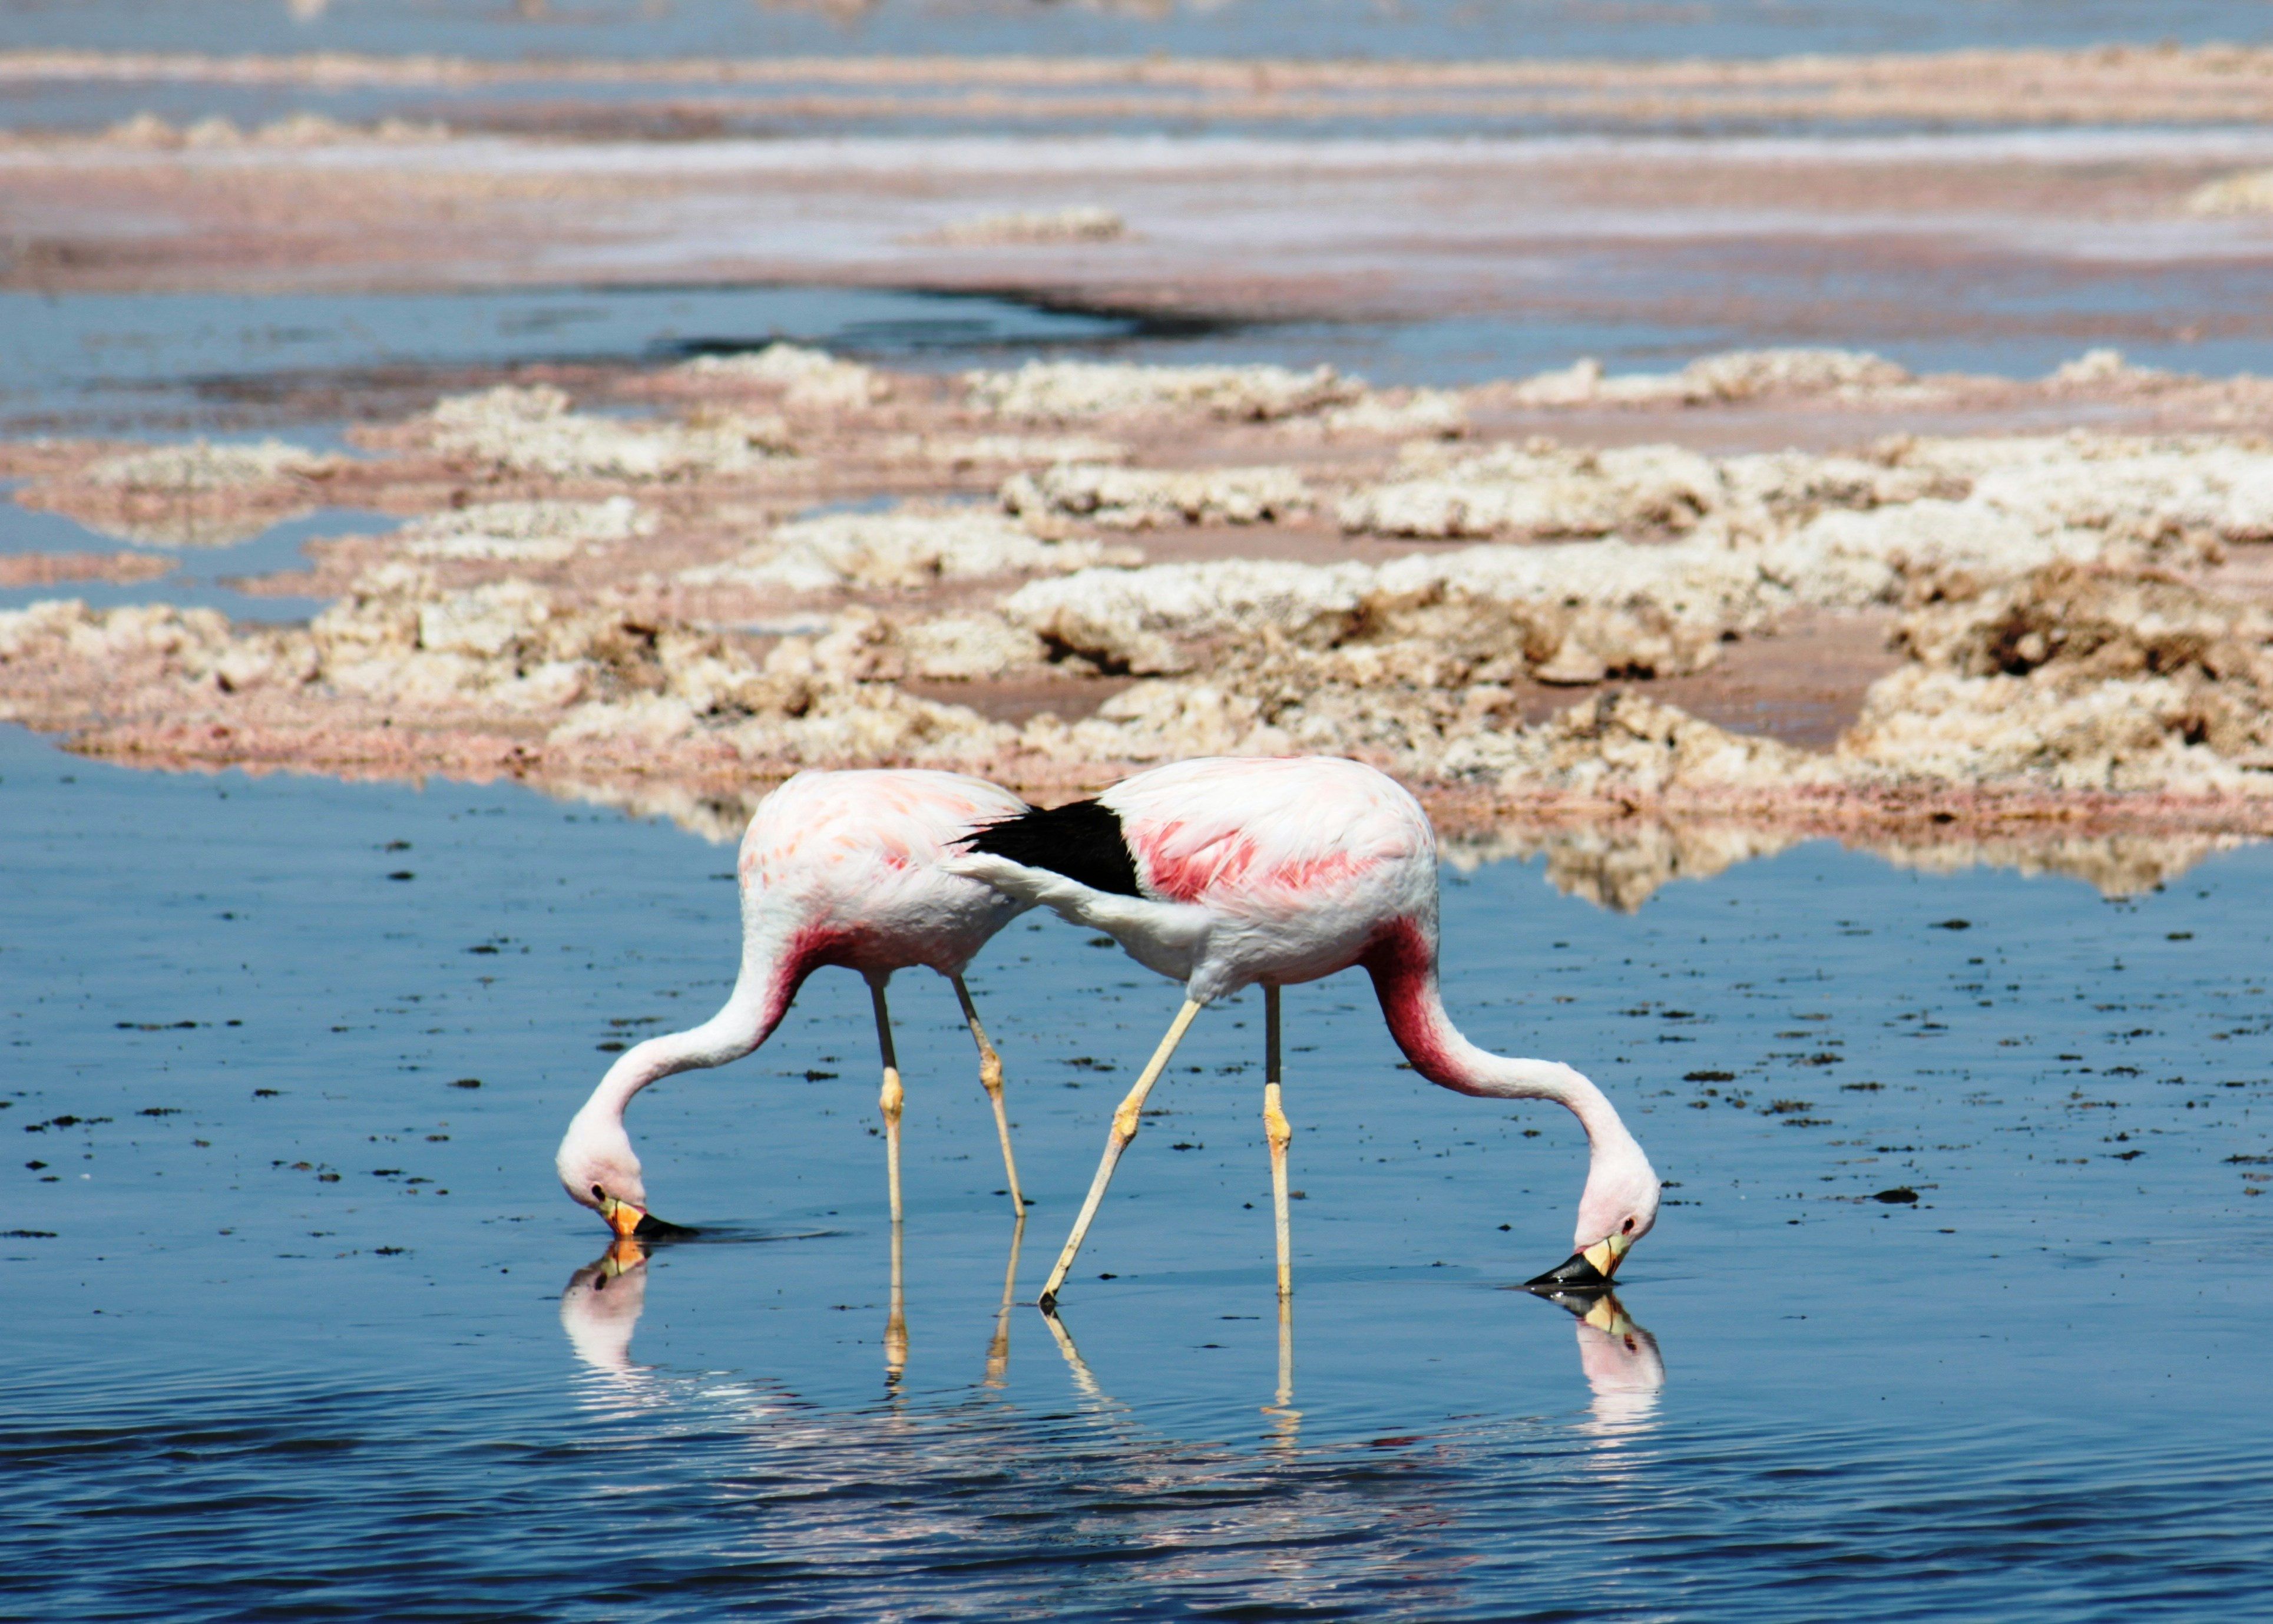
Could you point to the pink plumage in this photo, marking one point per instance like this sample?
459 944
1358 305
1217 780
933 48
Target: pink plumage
1237 871
835 868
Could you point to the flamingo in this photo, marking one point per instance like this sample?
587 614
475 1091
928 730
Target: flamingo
1231 871
835 868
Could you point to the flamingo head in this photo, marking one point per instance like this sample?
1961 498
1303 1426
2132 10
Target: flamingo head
599 1170
1618 1208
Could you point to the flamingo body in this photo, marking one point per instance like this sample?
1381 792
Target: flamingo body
839 868
1280 870
843 868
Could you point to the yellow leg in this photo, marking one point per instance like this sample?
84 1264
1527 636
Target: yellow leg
990 1078
998 1351
1124 1129
894 1096
1280 1132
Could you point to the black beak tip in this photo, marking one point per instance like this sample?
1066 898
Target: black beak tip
651 1227
1574 1273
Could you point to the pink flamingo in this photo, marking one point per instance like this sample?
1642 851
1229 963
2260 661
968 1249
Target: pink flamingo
835 868
1229 872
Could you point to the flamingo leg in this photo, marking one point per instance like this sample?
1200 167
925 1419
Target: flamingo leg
990 1078
1124 1129
893 1096
1280 1132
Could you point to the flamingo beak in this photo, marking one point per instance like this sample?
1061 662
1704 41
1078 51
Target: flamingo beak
1588 1269
623 1256
622 1216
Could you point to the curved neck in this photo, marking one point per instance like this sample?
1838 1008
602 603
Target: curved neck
1403 964
768 980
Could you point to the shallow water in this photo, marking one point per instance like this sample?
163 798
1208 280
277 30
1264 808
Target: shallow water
1427 29
164 363
300 1348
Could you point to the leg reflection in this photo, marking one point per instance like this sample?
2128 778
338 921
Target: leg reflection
998 1351
1082 1378
1286 1420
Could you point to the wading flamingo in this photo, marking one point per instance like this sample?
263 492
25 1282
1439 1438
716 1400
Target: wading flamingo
1232 871
835 868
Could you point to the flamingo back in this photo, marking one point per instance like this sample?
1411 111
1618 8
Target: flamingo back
1304 860
843 868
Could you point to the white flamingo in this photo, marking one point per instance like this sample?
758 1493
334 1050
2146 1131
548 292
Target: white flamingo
835 868
1232 871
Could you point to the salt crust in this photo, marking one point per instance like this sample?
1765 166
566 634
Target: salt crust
1140 499
2046 652
509 648
908 548
2070 679
2078 679
1073 391
1762 535
1080 223
532 431
1734 375
201 468
2248 192
526 532
809 380
146 129
194 494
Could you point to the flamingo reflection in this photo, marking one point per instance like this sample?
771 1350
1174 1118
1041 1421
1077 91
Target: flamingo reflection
601 1305
1621 1360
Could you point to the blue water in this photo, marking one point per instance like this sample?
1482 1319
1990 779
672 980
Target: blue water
295 1344
163 365
169 365
1427 29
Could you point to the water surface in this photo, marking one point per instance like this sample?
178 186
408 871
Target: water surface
302 1350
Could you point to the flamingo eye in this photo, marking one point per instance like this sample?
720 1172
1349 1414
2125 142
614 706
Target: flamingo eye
1626 1227
599 1195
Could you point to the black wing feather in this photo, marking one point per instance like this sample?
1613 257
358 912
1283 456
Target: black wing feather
1081 840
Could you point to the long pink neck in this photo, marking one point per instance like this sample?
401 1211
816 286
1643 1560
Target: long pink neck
770 975
1403 964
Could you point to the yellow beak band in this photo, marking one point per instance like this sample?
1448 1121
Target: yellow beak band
622 1216
1607 1253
